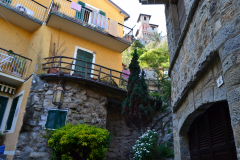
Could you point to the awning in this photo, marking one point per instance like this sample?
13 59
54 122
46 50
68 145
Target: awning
7 88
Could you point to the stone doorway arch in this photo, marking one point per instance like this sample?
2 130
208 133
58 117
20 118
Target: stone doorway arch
211 135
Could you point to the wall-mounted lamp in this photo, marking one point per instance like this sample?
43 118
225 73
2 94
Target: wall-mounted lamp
58 96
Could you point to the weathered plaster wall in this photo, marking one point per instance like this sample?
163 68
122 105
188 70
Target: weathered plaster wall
82 105
209 49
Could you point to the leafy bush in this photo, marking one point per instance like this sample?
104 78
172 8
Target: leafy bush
146 148
80 142
164 151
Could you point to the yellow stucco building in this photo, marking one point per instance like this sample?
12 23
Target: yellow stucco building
31 31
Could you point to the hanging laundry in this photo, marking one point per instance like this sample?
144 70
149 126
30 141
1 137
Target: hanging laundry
99 20
76 6
94 18
103 21
113 26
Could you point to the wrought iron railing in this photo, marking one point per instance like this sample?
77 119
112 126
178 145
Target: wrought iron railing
28 7
84 69
14 64
91 18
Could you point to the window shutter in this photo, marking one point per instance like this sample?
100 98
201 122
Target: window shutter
211 135
51 119
181 14
89 58
86 56
80 15
3 105
62 118
11 113
56 119
102 13
80 55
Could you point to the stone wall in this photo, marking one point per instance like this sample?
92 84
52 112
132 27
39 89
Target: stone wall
82 105
85 105
208 47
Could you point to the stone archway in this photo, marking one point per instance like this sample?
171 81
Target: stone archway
211 136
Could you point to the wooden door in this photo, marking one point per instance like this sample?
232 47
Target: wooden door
211 135
81 65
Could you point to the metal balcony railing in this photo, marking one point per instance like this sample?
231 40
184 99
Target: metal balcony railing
84 69
91 18
28 7
14 64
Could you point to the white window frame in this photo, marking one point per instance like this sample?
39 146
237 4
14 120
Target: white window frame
7 111
58 110
75 56
14 122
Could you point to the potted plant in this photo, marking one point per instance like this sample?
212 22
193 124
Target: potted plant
2 138
55 50
56 6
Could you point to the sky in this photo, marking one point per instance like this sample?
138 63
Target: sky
134 8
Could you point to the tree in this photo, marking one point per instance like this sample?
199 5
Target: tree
136 107
156 37
128 53
155 57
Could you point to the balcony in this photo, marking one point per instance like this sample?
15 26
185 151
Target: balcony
13 68
26 14
84 25
83 72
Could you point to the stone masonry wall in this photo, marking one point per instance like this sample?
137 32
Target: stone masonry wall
82 105
210 49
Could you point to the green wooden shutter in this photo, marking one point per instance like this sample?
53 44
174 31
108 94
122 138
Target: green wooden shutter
51 119
86 56
11 113
62 118
56 119
80 15
102 13
80 55
89 58
7 1
3 105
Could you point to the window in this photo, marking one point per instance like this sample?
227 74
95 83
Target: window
3 106
145 18
152 28
85 55
11 113
143 27
56 118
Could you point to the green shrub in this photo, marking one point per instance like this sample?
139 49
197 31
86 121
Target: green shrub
146 148
79 142
164 151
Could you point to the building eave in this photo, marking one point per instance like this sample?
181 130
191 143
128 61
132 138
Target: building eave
124 13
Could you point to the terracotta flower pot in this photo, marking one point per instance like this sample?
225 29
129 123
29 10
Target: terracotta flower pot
52 71
55 8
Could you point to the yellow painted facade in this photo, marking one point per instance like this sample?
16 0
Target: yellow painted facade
36 46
